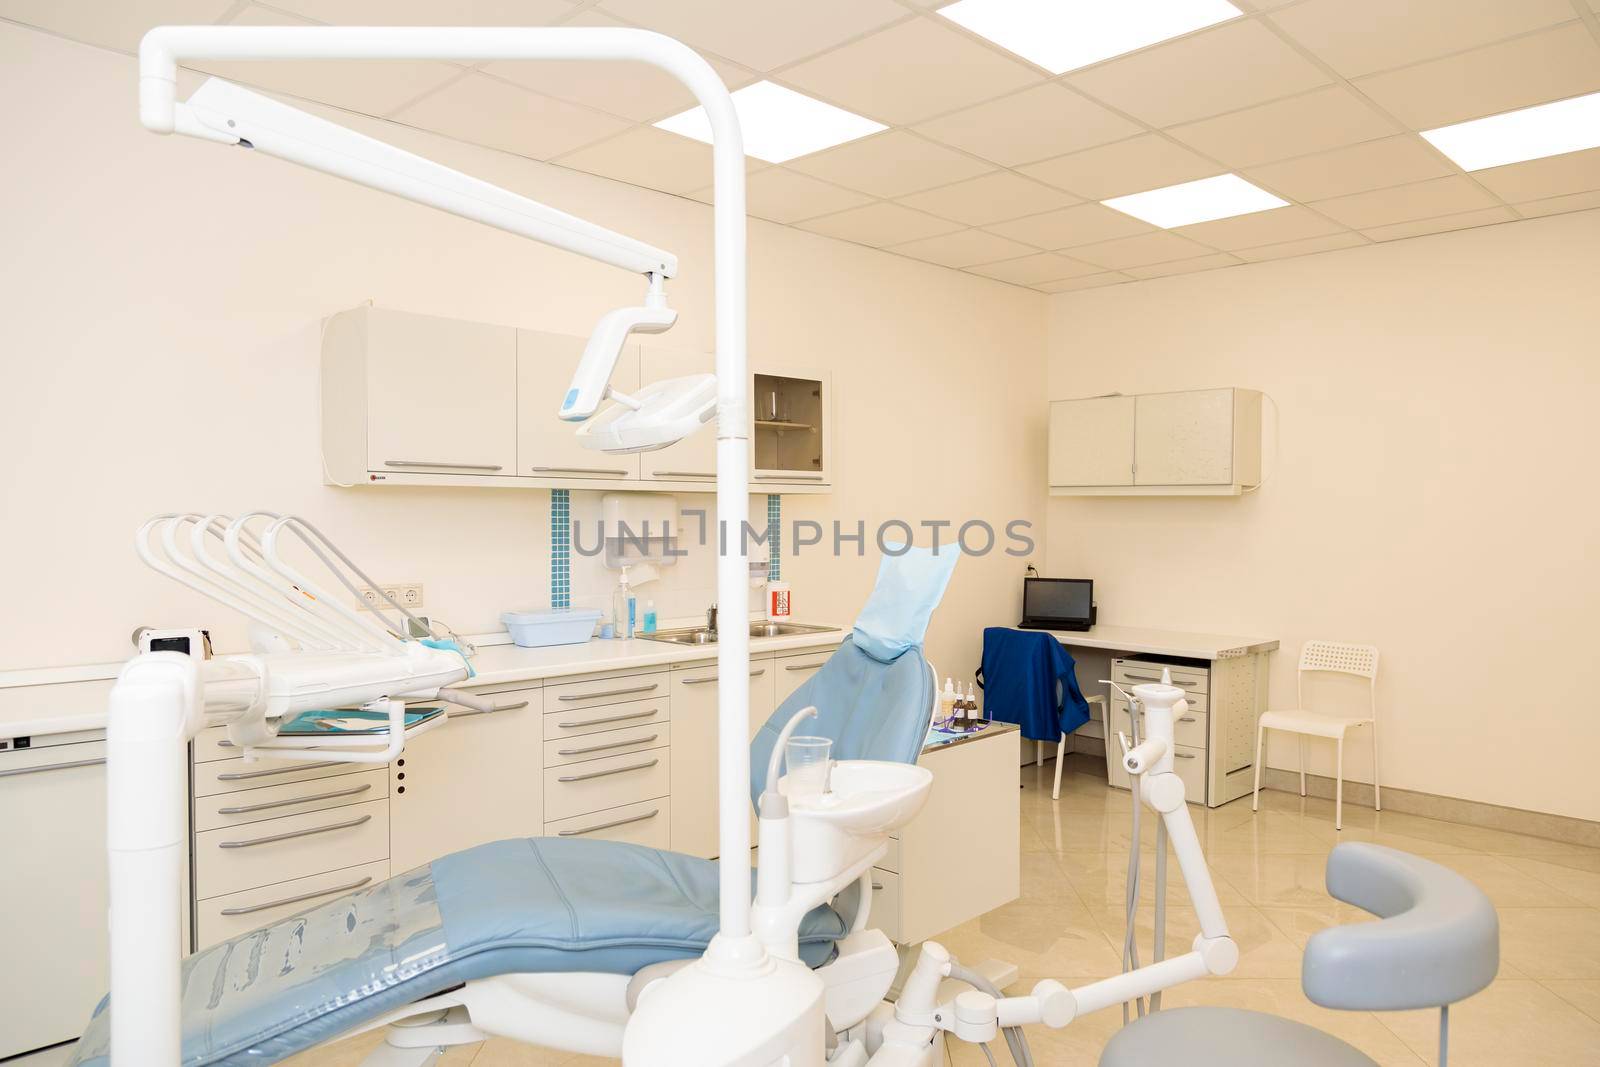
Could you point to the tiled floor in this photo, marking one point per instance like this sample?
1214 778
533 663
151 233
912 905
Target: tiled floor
1543 1009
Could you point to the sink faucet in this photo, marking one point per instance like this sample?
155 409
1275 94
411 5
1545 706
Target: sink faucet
711 618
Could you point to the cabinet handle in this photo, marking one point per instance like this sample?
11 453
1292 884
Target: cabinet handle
682 474
608 718
297 899
295 833
51 767
877 886
1183 755
243 775
1187 718
706 681
611 471
801 666
444 466
603 774
467 712
569 697
248 808
652 813
790 476
602 748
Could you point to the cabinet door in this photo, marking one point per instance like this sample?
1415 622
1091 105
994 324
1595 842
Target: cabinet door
441 395
694 751
476 779
1091 441
793 671
1184 438
547 447
695 457
790 427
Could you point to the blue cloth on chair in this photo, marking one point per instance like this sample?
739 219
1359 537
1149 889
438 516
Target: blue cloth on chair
1029 679
532 905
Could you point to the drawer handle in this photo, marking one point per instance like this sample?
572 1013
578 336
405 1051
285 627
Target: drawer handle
789 476
652 813
603 774
1187 718
602 748
51 767
877 885
242 775
1183 755
612 471
297 899
608 718
801 666
705 681
295 833
467 712
683 474
569 697
248 808
444 466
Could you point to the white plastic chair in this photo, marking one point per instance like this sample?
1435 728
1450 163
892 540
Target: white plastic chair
1061 745
1359 660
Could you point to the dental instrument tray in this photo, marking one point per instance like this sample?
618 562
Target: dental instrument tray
348 722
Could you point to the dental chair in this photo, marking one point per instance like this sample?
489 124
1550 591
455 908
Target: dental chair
551 941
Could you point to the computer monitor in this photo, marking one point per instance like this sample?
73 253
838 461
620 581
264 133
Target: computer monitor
1057 603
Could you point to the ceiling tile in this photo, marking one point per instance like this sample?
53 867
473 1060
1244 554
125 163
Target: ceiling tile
880 225
1141 251
990 198
1419 200
1311 122
496 114
648 157
761 34
1261 227
1558 205
780 195
372 87
1537 179
1310 245
1355 169
1235 65
1186 266
636 91
1549 65
117 25
1031 270
1358 37
431 12
1047 120
890 164
1081 225
1421 227
963 249
909 72
1088 281
1148 161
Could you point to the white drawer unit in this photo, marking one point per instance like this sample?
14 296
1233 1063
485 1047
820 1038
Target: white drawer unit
270 802
581 748
563 723
647 823
228 916
230 776
609 782
235 858
611 689
1131 672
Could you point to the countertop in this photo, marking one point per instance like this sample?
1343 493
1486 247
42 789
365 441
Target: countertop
1164 642
72 700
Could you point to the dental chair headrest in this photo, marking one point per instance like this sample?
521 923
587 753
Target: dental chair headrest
911 582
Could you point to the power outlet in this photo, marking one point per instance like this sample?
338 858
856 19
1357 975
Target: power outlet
408 595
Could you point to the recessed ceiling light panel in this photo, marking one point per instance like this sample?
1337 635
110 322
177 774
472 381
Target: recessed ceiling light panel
779 124
1518 136
1063 35
1206 200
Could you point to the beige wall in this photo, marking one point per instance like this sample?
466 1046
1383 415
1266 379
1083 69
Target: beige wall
1435 493
159 332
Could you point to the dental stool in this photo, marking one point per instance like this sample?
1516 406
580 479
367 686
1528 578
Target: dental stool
1438 942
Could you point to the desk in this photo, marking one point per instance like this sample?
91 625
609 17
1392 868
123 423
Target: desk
1225 677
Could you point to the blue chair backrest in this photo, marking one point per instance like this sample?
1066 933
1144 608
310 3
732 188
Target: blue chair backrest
1438 941
872 709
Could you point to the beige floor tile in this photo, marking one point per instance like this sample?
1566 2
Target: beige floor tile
499 1052
1510 1023
1101 878
1264 950
1295 881
1044 941
1268 833
1551 942
1508 887
1298 924
1583 995
1581 885
351 1051
1283 996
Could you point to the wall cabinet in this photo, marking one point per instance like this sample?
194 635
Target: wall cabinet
420 400
1202 442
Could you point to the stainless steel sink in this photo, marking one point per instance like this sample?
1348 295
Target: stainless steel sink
699 635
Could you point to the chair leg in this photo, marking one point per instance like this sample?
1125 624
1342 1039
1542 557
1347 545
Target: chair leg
1261 748
1038 753
1377 797
1338 784
1061 753
1302 764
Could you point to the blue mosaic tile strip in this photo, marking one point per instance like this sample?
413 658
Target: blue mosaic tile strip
775 531
560 548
